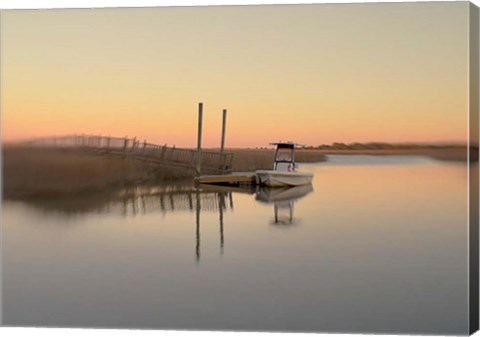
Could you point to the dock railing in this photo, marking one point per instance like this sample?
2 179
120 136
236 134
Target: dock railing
211 161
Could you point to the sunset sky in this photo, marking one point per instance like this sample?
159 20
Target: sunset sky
313 74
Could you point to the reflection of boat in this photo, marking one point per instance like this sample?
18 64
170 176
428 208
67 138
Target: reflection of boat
284 171
271 195
283 200
283 214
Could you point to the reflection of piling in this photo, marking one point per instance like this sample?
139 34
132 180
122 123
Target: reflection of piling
125 207
190 202
199 140
134 206
162 202
221 206
144 205
197 222
275 212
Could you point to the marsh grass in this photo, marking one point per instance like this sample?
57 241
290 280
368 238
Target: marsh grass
28 171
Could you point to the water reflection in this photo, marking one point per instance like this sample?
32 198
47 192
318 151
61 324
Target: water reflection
142 200
211 200
379 246
283 200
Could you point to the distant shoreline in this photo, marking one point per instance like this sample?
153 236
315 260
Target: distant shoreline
444 154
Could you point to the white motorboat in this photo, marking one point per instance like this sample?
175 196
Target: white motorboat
284 171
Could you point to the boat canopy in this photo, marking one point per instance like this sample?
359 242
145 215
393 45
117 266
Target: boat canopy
284 157
286 145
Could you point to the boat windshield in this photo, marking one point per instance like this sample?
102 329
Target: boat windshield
284 155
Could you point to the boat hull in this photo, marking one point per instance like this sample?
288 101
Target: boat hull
282 179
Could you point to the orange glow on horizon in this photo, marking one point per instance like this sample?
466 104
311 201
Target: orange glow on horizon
313 74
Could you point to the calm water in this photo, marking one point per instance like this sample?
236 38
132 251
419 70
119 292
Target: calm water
377 244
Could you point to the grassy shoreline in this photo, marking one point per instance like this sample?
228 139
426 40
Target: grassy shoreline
42 172
38 172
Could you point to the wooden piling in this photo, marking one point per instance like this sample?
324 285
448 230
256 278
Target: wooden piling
198 167
224 124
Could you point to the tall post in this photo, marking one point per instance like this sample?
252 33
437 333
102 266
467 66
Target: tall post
198 168
224 124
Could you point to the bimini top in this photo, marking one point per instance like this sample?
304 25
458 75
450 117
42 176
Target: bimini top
286 145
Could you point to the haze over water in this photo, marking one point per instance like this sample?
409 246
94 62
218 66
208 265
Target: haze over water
379 244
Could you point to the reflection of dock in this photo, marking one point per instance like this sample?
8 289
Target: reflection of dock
176 201
247 189
236 178
164 200
216 199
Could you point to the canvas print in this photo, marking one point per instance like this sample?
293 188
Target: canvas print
306 168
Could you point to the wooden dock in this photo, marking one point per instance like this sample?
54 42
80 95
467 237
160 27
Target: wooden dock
235 178
206 160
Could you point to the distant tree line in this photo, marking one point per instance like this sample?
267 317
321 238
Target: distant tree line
377 146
